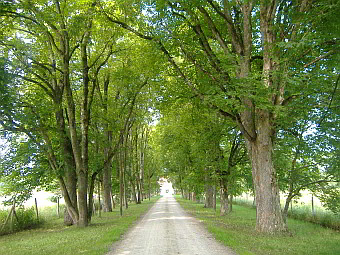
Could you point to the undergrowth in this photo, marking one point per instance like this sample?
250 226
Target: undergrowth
26 219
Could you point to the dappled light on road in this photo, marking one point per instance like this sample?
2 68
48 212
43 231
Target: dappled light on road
171 218
166 229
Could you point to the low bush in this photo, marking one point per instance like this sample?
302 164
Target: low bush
26 219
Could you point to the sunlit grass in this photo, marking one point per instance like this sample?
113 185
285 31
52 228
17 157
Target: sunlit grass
304 212
55 238
237 231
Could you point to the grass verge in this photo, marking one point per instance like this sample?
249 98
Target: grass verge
304 212
237 231
55 238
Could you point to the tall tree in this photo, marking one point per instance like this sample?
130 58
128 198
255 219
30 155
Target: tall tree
53 51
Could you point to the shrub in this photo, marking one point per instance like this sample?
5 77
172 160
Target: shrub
26 220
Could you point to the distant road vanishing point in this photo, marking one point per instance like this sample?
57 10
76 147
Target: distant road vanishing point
167 230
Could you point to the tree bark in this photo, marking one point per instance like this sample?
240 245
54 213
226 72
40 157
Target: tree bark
70 175
90 196
224 198
107 170
209 193
214 196
149 184
143 144
121 179
71 187
141 174
107 187
125 181
268 211
133 190
286 207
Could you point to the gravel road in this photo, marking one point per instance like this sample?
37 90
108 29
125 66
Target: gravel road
167 230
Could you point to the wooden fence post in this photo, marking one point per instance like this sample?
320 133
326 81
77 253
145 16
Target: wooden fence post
99 209
36 208
12 216
313 211
58 207
7 219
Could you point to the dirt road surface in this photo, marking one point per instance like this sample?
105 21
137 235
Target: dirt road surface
167 230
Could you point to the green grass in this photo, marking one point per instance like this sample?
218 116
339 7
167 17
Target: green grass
304 212
322 217
55 238
237 231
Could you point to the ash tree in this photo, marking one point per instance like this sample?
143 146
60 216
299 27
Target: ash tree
63 57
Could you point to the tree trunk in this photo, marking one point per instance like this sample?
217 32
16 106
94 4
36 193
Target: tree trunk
107 170
209 196
82 199
70 175
149 184
70 180
193 195
133 190
107 188
141 174
181 186
142 160
286 207
209 193
81 152
224 198
137 169
72 211
99 201
268 212
214 197
121 190
125 188
71 187
139 200
121 179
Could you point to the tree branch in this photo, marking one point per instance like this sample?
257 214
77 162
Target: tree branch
319 58
38 83
236 40
330 101
127 27
214 30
